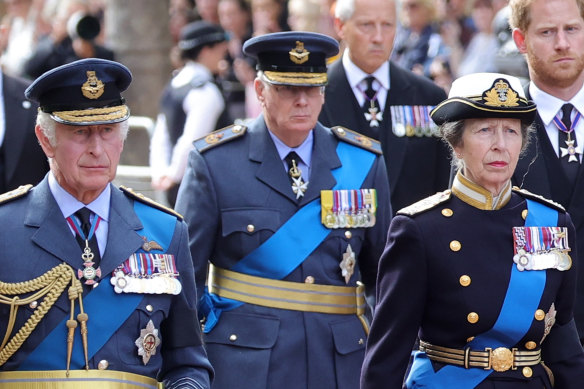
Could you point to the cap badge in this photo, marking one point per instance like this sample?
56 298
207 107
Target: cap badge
501 95
299 54
93 88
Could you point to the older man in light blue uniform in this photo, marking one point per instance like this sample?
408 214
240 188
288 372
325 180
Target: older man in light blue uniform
290 217
97 282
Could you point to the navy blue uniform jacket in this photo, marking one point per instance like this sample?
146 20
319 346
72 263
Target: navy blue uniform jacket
419 289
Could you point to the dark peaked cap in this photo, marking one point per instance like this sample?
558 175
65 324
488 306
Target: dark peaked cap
83 92
292 57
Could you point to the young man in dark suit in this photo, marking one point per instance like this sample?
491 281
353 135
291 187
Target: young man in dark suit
394 109
551 34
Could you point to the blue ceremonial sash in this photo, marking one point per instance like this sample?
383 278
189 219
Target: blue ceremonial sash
512 324
107 310
295 239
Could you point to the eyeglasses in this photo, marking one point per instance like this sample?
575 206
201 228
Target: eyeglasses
290 92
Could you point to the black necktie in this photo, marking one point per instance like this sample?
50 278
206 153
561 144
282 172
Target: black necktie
570 167
84 218
295 174
371 106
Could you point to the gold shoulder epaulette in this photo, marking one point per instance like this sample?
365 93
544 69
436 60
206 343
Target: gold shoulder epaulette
14 194
147 200
357 139
538 198
425 204
220 136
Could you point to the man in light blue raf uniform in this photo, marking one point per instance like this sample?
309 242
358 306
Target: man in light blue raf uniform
290 218
97 283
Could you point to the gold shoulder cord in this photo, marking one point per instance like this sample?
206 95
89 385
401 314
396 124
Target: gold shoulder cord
50 286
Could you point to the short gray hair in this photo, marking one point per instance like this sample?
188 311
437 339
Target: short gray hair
451 133
48 126
344 9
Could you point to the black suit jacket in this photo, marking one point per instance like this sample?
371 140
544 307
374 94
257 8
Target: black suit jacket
540 172
417 166
24 160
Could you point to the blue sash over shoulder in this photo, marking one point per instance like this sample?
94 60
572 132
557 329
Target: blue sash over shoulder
106 309
512 324
295 239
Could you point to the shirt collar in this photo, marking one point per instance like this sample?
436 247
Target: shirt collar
304 151
69 204
548 106
477 196
355 75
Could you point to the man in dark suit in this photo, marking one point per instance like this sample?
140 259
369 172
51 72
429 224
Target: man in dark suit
394 109
104 274
22 160
291 232
551 166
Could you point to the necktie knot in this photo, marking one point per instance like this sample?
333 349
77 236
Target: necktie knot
369 91
567 115
84 215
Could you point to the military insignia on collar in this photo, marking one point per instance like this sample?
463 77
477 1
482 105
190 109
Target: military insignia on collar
147 342
150 245
348 264
501 95
299 54
93 88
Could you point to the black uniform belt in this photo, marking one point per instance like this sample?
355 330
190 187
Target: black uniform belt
499 359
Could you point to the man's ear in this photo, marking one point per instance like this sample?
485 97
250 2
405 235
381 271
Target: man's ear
44 142
519 38
338 25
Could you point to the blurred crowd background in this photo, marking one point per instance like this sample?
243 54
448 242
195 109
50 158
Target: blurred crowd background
440 39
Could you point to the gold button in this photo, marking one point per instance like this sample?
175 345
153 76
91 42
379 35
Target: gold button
472 317
149 308
250 228
530 345
539 315
233 337
102 365
470 339
309 280
348 234
524 214
33 304
465 280
455 245
236 129
447 212
527 372
340 131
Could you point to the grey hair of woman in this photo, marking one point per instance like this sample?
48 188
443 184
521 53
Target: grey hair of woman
451 133
48 126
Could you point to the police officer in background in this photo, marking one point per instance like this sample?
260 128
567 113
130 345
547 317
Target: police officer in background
374 96
192 105
295 218
97 282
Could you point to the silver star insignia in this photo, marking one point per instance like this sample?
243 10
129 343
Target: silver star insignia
299 187
347 265
147 342
374 117
571 151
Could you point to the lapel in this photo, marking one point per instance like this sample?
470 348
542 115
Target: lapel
263 151
15 132
394 147
45 214
122 239
53 234
324 160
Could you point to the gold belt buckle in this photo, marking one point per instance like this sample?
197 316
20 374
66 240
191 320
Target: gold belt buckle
500 359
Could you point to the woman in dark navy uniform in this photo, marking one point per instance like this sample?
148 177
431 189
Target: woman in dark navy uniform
482 273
